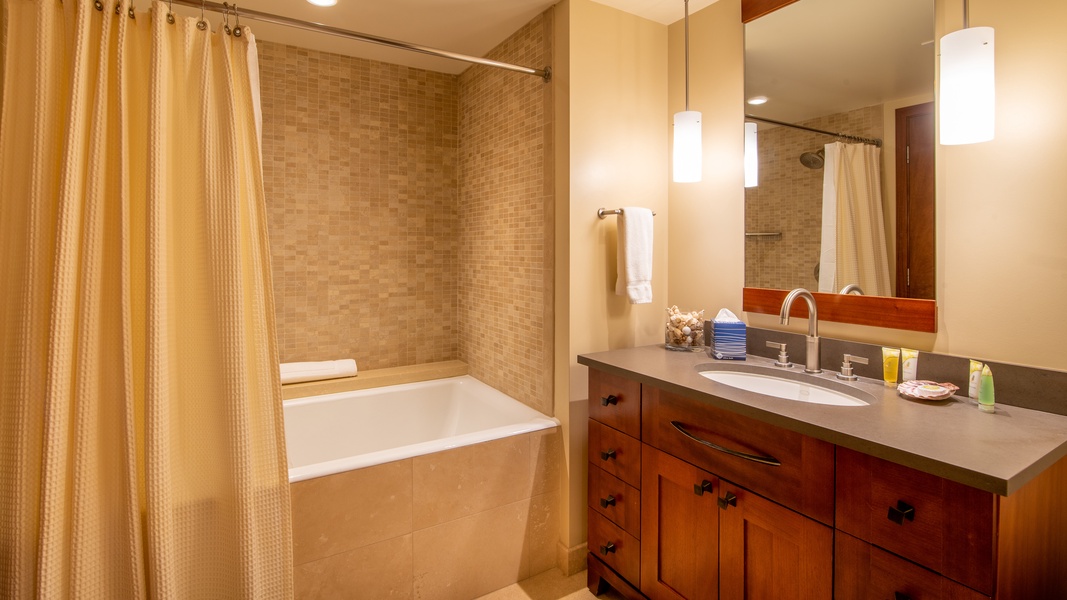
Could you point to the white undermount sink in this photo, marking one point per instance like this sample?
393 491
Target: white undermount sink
786 389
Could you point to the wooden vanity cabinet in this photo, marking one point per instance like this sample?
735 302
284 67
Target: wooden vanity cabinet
721 501
692 501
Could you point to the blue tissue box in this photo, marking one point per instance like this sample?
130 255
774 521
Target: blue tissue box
726 341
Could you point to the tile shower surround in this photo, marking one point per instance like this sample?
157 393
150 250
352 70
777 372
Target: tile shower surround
789 199
407 212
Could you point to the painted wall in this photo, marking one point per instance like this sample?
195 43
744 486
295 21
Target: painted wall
1001 209
611 78
707 219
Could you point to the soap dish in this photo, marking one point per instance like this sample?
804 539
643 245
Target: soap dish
926 390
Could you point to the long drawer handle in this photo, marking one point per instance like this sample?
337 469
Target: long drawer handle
763 460
901 596
901 511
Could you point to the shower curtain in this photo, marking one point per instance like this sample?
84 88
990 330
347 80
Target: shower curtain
141 436
853 248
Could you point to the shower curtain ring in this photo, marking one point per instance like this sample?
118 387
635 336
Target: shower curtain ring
201 24
226 18
99 5
170 11
132 13
237 22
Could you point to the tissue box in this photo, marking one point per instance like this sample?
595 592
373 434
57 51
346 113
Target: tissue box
726 341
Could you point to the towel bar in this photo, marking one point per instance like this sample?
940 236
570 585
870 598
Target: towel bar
603 212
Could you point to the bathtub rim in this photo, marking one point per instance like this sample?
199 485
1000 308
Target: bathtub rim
349 463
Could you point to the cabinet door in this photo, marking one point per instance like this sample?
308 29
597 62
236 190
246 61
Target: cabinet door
679 529
768 552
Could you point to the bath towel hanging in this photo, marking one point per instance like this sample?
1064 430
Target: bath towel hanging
634 257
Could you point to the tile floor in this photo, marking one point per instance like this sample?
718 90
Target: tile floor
550 585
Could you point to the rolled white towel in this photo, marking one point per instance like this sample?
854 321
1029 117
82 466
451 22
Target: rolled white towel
314 371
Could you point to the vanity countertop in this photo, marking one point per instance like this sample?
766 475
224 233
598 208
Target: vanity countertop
996 452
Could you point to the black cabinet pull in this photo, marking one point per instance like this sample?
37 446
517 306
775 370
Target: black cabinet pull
901 511
606 502
700 488
763 460
901 596
730 499
609 453
609 547
609 399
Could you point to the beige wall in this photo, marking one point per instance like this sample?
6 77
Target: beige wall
1001 254
707 219
611 73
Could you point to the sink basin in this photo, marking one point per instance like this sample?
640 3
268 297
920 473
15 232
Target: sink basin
786 389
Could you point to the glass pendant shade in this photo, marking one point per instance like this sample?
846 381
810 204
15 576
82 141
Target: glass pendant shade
687 156
968 91
751 156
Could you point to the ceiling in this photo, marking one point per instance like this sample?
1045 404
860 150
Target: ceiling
472 27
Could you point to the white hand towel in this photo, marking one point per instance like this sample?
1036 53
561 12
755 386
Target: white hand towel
314 371
634 256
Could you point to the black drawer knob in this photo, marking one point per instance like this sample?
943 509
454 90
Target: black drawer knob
730 499
700 488
901 596
901 511
606 454
609 399
606 502
607 548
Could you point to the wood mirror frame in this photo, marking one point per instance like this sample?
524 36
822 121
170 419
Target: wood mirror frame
875 311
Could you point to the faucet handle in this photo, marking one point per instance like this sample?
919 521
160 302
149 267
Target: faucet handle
783 356
846 367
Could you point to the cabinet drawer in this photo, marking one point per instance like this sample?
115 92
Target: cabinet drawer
727 444
937 523
618 549
866 572
615 452
615 401
613 498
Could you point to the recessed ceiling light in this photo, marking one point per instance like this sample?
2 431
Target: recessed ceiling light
754 100
323 2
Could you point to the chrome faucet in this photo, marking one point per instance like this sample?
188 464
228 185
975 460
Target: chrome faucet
852 288
811 359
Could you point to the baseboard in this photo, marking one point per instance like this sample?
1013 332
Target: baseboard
571 560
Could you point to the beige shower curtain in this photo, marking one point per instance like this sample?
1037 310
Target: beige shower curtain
853 247
141 442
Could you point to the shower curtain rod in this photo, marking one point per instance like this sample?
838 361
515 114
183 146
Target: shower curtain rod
545 73
863 140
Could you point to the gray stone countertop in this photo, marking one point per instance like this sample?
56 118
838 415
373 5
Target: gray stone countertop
996 452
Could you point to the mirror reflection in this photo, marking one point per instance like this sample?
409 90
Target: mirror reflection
844 202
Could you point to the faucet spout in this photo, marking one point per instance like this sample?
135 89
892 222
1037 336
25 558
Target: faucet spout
811 361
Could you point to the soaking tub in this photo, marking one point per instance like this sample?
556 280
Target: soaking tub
338 432
407 490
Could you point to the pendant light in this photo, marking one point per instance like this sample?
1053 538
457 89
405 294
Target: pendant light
968 90
688 159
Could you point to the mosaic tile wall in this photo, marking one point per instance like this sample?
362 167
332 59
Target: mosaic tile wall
789 200
360 171
504 248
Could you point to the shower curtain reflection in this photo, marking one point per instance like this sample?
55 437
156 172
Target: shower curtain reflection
853 249
140 408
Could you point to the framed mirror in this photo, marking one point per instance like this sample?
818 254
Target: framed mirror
845 85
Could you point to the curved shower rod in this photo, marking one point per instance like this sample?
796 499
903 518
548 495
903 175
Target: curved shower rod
545 73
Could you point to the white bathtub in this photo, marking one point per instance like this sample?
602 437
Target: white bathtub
339 432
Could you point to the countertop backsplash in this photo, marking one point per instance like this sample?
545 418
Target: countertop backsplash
1016 385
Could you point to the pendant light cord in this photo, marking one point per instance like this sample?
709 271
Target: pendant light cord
966 14
687 54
